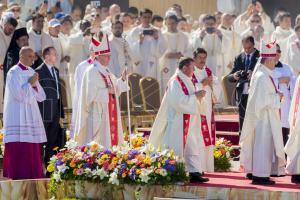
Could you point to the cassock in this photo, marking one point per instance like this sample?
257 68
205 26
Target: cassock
214 47
79 72
284 70
121 56
177 122
232 41
292 147
23 126
39 41
146 54
293 58
99 117
176 43
207 116
261 134
281 36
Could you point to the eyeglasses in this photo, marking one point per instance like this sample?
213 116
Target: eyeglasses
255 21
97 15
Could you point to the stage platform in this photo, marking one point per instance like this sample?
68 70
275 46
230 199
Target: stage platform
221 186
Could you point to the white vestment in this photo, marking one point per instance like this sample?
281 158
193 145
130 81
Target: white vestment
262 135
22 118
4 44
39 42
233 44
293 58
286 89
147 53
168 128
206 108
281 37
79 72
93 120
214 47
176 42
78 49
292 147
121 56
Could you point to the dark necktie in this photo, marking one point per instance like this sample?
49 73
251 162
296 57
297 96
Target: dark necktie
247 63
54 76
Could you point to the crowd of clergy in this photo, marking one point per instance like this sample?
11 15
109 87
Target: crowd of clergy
93 50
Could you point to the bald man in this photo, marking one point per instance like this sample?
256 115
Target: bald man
113 11
23 126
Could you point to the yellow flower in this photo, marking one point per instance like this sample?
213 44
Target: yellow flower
159 165
129 162
55 148
72 164
123 175
94 147
104 157
147 160
138 171
50 167
217 154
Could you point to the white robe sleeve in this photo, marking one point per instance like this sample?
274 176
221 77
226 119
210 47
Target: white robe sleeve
120 85
21 92
39 93
181 102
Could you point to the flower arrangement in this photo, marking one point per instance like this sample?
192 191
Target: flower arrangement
223 155
118 165
1 144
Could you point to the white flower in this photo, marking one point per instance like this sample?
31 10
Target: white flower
56 177
88 172
163 172
100 172
227 154
62 168
114 178
134 161
144 176
53 158
71 144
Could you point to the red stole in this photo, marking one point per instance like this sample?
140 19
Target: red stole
297 101
186 117
113 113
207 138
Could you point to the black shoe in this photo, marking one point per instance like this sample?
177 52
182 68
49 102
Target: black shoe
249 176
197 178
262 181
295 179
275 175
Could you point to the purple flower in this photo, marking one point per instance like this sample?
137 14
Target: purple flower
59 162
132 154
122 169
168 166
132 173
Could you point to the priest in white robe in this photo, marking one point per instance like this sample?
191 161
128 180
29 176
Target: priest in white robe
211 39
232 41
207 81
23 126
7 28
292 147
121 53
177 47
148 45
177 122
99 117
261 134
78 77
293 52
38 40
282 33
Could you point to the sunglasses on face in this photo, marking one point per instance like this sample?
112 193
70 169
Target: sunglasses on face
97 15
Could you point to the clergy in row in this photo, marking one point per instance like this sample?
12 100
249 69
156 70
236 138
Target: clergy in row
23 126
261 139
177 122
99 117
206 80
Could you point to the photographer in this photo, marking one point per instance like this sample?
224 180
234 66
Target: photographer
211 39
241 73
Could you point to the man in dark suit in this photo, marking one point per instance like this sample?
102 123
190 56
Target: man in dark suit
52 108
243 67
